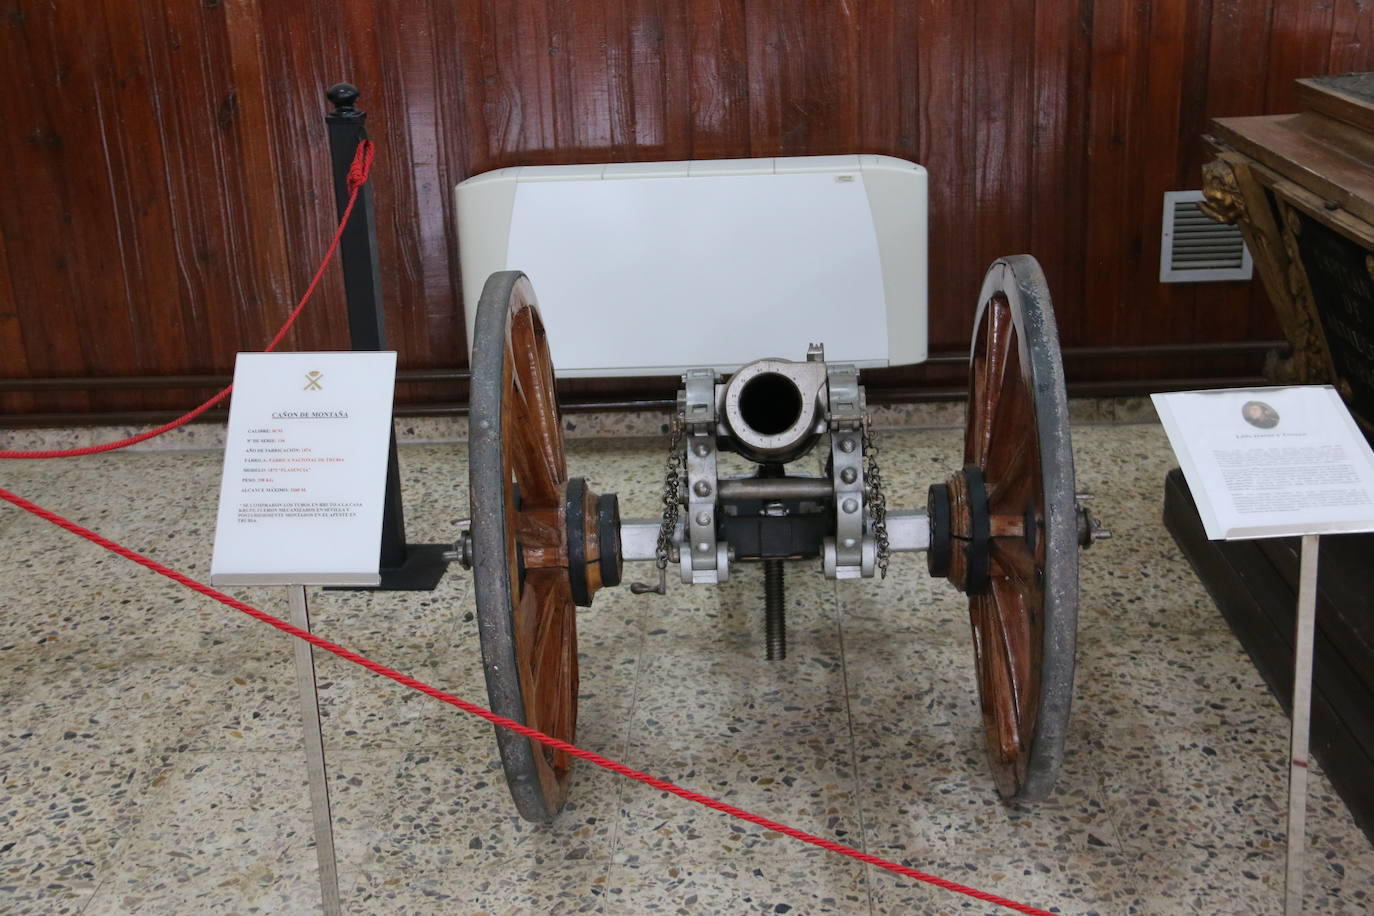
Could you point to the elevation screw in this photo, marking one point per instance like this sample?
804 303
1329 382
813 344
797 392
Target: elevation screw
775 610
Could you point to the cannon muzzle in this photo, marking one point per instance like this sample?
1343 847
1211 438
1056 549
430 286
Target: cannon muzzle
773 409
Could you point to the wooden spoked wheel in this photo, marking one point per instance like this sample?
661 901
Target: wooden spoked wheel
519 489
1013 516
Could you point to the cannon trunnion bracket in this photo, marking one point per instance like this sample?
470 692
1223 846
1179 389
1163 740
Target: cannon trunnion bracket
1005 527
773 411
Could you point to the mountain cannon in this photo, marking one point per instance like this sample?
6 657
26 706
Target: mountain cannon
1004 528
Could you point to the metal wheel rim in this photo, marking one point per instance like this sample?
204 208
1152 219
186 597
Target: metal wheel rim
1020 282
538 778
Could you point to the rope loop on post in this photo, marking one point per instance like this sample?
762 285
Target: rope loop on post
362 166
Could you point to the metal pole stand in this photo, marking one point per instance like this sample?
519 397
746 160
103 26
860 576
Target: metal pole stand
1302 711
314 757
404 567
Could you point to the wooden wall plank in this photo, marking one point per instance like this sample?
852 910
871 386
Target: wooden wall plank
803 92
1003 122
1117 74
254 140
303 58
1352 37
14 361
718 82
193 111
92 256
1237 85
1154 166
421 295
1238 82
946 66
1058 207
1193 113
127 100
34 215
885 85
1299 45
462 74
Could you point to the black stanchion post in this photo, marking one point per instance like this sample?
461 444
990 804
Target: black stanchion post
412 567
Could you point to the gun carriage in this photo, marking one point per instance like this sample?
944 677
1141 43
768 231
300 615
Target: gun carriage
1005 528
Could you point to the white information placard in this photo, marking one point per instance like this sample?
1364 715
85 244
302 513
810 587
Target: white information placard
301 496
1271 462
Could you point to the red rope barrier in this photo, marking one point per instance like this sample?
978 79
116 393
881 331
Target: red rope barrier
358 171
512 725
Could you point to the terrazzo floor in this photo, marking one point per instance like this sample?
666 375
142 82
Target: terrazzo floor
151 761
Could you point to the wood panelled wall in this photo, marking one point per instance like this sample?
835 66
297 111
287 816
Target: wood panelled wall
166 190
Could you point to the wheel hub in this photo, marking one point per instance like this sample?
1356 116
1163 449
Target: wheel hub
592 523
961 531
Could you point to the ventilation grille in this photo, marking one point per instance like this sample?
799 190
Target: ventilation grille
1195 248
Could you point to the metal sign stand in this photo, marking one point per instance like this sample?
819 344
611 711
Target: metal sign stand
314 756
404 567
1302 708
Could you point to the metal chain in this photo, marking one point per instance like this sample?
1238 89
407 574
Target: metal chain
877 502
672 493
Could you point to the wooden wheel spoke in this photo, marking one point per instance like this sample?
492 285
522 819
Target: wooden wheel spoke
561 658
990 380
542 538
1011 659
556 656
549 649
1011 415
535 452
551 631
997 681
1012 558
525 623
542 413
536 406
521 426
545 635
1023 649
975 441
1010 471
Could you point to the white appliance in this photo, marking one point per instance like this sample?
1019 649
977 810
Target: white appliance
652 268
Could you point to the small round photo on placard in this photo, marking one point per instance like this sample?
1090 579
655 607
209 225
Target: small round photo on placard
1260 414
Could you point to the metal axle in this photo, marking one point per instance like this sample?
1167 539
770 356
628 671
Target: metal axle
773 488
907 530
